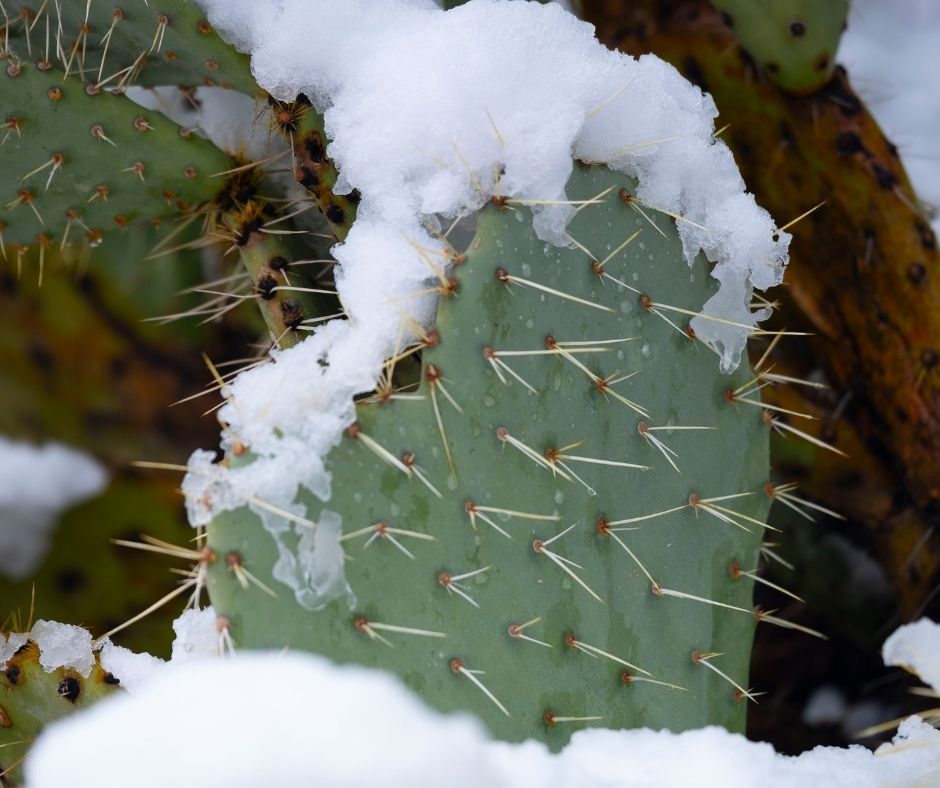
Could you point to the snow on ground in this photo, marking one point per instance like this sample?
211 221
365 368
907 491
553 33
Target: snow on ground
38 483
916 648
291 719
516 90
892 56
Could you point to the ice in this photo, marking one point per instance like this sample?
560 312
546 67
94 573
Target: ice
197 636
63 646
38 483
10 644
916 647
430 114
291 719
133 670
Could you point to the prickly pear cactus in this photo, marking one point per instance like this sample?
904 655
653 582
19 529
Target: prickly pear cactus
793 41
31 698
559 532
77 157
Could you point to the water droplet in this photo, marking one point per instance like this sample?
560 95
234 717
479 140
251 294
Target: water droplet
489 401
357 497
395 509
526 269
626 307
559 497
566 584
635 276
451 483
530 323
646 351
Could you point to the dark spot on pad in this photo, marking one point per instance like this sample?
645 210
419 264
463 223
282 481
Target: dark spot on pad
278 263
335 214
308 178
772 67
727 19
797 28
110 678
292 313
315 148
265 287
848 143
13 674
916 273
69 688
886 179
822 62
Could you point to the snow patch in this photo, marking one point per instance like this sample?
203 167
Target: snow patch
916 647
291 719
516 90
38 483
63 646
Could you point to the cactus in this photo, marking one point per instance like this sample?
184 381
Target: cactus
31 698
493 524
793 41
75 165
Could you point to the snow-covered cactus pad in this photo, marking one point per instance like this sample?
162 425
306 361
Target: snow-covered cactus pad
794 42
554 529
32 696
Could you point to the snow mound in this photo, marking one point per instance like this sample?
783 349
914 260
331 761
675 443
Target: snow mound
916 647
297 720
430 114
38 483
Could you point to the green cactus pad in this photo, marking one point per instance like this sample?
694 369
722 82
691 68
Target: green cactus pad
552 623
76 165
135 42
31 698
793 41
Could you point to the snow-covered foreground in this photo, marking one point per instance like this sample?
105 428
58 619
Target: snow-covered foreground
292 719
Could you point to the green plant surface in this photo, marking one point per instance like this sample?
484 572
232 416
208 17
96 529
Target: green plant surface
793 41
136 42
563 645
31 698
75 165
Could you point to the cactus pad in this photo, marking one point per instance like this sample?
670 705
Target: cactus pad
31 698
75 165
504 554
793 41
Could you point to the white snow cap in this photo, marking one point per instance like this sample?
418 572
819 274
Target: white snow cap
430 113
916 647
63 646
37 483
297 720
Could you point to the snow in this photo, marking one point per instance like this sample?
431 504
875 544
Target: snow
916 647
291 719
515 91
132 669
197 636
890 49
38 483
63 646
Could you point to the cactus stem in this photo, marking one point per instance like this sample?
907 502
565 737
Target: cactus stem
457 666
508 279
700 658
594 651
516 631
